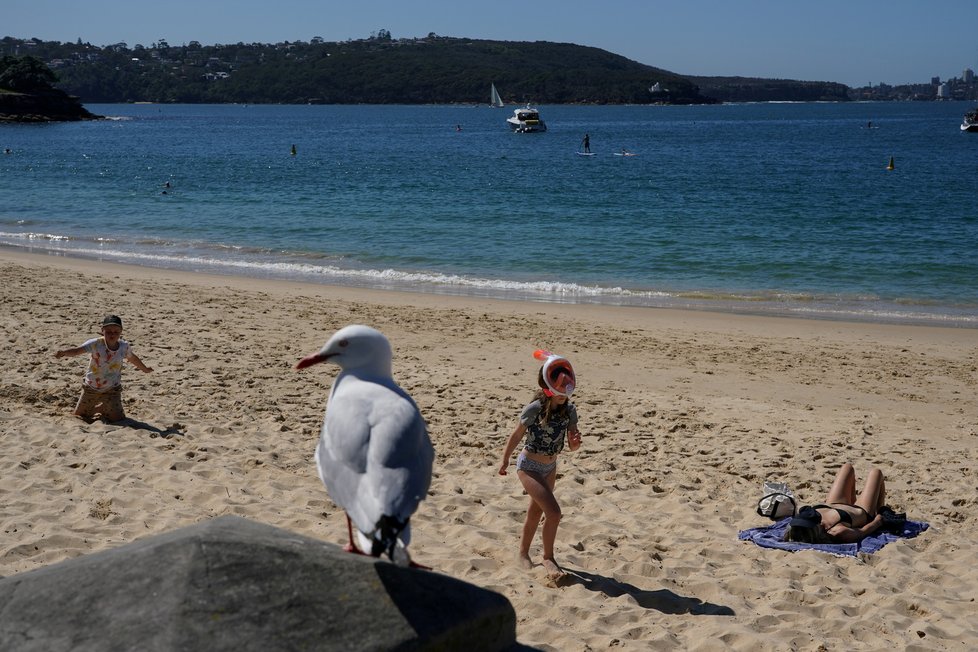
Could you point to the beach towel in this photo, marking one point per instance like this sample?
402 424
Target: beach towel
772 536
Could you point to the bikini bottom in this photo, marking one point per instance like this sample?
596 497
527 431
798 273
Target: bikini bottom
524 463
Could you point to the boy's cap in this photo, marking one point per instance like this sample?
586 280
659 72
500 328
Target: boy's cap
112 320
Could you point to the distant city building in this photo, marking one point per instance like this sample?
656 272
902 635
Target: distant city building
935 81
968 75
944 91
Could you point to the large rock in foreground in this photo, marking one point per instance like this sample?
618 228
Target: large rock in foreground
233 584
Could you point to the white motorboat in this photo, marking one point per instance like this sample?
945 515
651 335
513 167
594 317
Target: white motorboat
526 120
970 122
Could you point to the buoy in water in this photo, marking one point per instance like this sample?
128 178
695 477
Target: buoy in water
890 166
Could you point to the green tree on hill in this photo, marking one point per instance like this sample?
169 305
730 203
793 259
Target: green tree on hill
25 74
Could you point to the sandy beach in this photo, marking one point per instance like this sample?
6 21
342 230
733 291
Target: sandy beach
684 415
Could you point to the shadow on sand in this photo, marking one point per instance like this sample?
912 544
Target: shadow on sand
662 600
174 429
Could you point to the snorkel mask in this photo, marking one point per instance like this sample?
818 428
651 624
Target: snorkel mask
556 374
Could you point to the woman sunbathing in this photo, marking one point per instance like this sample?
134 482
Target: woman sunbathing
843 518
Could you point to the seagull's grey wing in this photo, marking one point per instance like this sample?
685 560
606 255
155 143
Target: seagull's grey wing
399 459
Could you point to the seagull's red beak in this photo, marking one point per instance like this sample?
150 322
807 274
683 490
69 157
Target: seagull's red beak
310 360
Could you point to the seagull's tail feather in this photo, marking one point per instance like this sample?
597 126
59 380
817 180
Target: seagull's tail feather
386 535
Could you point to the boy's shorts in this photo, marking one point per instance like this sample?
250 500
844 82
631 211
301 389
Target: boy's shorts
107 403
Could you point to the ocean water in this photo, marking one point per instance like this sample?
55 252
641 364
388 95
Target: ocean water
770 208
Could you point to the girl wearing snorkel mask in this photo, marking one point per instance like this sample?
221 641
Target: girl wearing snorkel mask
545 422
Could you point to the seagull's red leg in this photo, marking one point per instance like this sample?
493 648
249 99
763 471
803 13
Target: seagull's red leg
351 547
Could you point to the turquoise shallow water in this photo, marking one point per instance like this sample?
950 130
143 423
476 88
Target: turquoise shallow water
783 208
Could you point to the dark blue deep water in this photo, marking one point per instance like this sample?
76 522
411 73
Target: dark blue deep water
783 208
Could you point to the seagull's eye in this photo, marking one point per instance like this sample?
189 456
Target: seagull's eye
344 343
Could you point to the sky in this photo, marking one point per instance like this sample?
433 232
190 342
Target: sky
855 42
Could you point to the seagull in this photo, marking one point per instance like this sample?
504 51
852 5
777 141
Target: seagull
374 454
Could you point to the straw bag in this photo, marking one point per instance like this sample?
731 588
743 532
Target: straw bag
777 501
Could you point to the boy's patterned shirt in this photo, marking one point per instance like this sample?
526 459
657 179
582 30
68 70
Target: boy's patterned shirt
105 368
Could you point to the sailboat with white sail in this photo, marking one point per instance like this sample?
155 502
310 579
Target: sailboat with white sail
494 100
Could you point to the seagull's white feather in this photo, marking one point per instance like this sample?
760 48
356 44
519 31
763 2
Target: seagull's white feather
374 455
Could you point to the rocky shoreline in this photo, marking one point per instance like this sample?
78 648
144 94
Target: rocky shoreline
47 106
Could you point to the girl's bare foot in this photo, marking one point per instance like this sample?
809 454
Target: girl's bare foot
554 571
525 562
